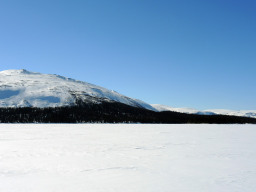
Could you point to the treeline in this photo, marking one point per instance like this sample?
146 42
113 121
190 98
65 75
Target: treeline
107 112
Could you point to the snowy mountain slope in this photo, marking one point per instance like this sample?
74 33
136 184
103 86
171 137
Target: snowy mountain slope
159 107
22 88
244 113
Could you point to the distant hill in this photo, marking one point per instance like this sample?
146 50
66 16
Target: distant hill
242 113
22 88
28 97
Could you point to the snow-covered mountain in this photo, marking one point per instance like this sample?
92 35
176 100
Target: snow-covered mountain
244 113
22 88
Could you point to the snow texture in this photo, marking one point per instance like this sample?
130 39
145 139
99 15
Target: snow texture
245 113
22 88
127 158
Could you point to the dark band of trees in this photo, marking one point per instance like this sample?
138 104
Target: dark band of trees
107 112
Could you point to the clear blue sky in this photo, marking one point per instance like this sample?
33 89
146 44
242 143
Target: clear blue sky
199 54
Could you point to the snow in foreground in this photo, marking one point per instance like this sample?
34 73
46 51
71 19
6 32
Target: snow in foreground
122 158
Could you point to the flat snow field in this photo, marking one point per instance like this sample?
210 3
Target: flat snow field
127 158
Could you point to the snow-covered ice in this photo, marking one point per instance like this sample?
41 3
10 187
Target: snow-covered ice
127 158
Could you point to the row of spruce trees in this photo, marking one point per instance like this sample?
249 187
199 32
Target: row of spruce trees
109 113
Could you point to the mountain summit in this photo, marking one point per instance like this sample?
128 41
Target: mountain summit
22 88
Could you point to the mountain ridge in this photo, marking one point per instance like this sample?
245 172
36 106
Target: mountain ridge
241 113
22 88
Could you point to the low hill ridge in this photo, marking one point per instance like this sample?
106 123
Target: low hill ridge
22 88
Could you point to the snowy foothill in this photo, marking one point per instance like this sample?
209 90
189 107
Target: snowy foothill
127 158
242 113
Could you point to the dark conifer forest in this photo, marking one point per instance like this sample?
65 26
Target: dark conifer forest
109 112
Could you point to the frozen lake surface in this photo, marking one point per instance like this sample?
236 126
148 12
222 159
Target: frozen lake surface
127 158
